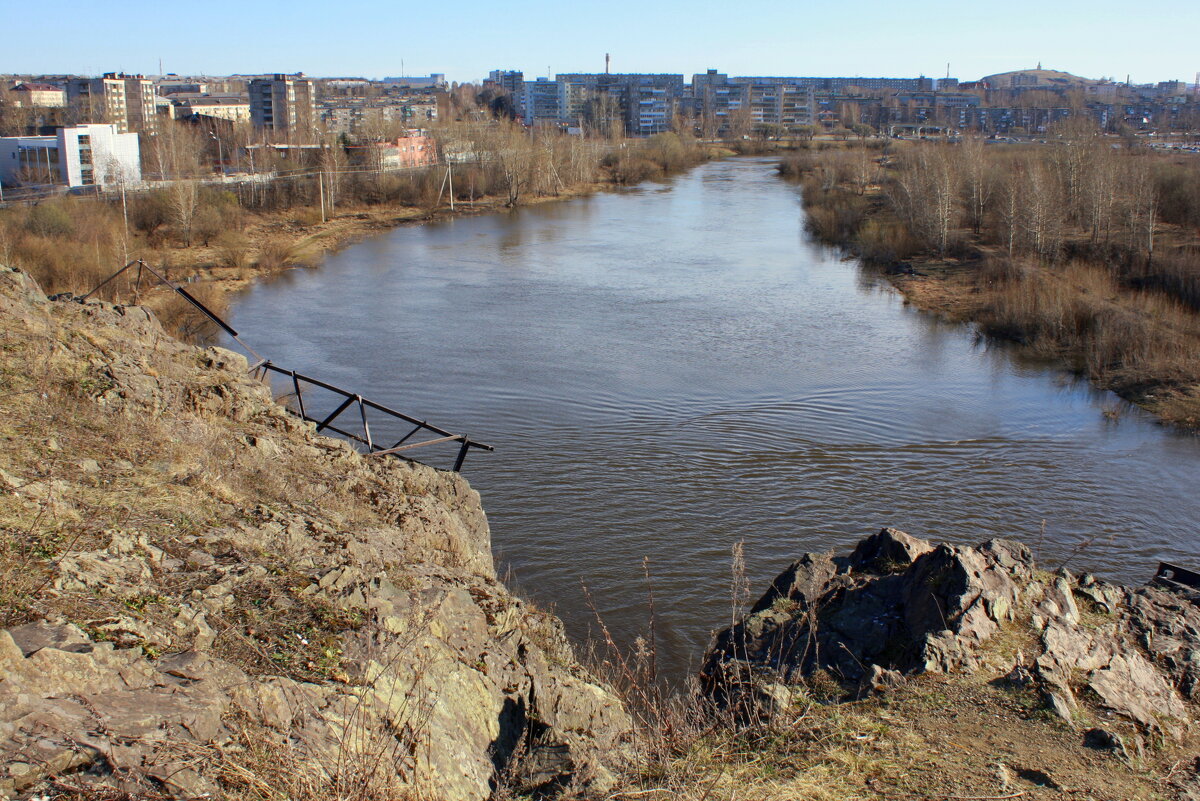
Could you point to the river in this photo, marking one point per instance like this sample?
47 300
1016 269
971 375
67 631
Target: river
668 370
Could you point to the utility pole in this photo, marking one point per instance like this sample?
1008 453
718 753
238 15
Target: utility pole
450 177
124 208
321 184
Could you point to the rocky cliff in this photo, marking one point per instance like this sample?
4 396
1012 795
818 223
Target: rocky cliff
1122 663
201 595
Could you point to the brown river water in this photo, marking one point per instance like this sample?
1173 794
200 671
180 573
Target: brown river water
668 370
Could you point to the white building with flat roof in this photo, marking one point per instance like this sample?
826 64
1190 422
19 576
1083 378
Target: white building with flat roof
81 155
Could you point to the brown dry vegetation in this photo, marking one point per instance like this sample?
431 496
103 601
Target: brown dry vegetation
190 231
935 736
1078 252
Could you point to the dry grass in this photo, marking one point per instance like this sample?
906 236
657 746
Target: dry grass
686 748
78 472
1097 305
71 244
1143 344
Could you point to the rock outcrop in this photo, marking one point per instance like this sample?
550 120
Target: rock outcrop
201 595
899 606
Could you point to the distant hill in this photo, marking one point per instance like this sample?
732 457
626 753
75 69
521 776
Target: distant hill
1046 78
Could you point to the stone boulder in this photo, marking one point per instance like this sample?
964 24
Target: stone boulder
898 605
897 602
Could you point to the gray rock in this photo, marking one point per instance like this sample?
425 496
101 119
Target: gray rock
879 681
823 613
33 637
888 551
899 605
330 606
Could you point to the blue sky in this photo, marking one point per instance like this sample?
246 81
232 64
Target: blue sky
465 39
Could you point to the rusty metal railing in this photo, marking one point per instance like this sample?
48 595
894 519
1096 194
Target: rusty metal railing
362 433
262 367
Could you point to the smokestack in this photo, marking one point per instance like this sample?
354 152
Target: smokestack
607 62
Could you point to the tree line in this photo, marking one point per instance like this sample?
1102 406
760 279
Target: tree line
1084 250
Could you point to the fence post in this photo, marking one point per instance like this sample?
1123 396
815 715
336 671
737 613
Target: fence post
462 455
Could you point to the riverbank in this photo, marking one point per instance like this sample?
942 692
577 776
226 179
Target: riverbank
282 240
199 595
222 240
1126 321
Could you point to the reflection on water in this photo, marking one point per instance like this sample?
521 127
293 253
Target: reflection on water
669 370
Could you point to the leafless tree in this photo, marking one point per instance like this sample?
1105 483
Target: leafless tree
979 179
183 196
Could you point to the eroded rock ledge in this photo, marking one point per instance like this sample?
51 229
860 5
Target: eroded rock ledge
1098 653
202 596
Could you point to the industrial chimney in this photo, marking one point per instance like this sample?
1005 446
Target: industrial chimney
607 61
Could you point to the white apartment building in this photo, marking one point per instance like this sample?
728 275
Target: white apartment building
81 155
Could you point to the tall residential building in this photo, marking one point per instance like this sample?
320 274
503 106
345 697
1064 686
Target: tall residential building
140 111
646 102
284 104
372 115
512 82
778 101
509 80
126 101
741 104
543 101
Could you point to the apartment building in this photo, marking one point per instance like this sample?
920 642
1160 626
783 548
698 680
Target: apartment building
283 104
79 155
776 102
126 101
357 115
235 108
955 109
509 80
723 104
652 102
435 81
581 90
543 101
40 95
175 85
99 100
645 102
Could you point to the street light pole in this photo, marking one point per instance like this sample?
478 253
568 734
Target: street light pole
220 152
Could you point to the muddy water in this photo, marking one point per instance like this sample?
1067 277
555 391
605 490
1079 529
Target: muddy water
673 369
